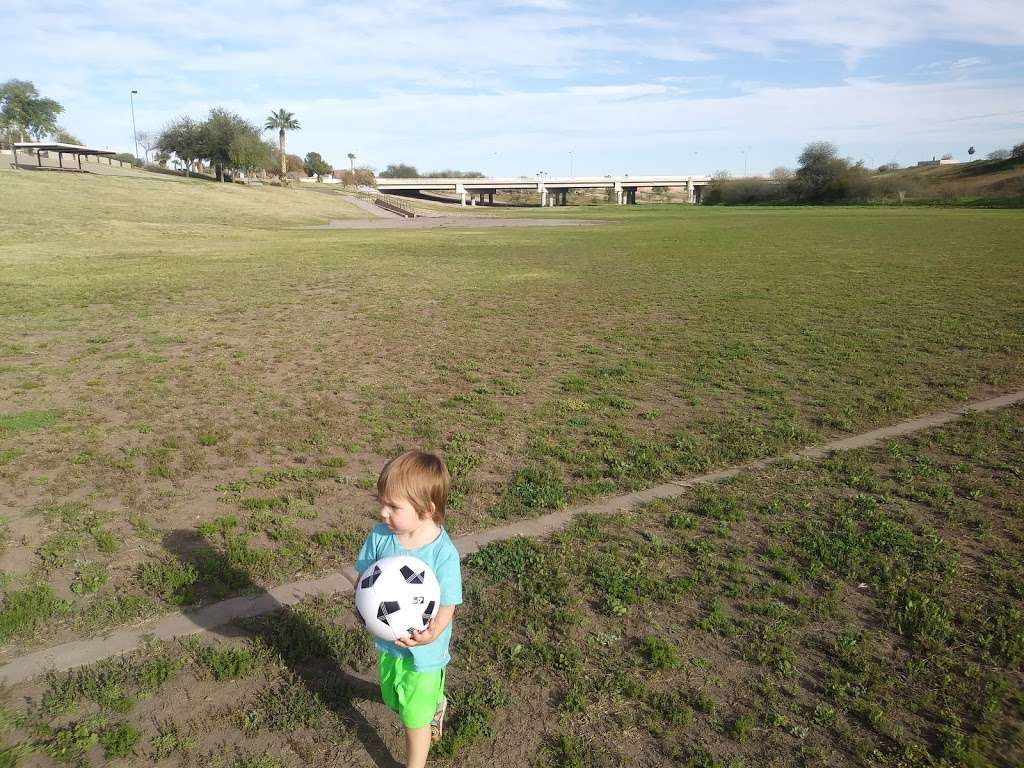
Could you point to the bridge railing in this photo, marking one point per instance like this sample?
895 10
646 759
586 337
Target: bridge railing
395 205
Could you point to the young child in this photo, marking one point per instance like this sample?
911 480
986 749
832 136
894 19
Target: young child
413 490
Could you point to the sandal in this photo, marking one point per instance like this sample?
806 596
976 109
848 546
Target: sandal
437 724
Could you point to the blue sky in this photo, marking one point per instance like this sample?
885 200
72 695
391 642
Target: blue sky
512 88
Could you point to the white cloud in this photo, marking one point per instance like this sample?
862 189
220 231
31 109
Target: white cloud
866 25
441 81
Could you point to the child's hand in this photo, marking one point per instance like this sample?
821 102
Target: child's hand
418 637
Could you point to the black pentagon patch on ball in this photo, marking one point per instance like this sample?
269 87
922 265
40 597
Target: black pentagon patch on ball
369 580
428 614
410 576
386 608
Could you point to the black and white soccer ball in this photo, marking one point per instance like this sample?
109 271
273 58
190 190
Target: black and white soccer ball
396 595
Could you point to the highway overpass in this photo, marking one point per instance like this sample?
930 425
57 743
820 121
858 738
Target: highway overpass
552 190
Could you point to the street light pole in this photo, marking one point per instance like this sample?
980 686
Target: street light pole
135 133
572 156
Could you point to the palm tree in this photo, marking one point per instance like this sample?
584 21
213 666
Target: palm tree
283 120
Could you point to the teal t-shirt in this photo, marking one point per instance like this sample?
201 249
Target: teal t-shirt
443 558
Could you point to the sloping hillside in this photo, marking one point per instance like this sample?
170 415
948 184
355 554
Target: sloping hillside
980 178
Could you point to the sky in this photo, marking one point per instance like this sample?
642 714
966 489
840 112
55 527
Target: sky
508 88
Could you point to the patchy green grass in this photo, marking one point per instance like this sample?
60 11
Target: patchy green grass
864 611
24 610
264 374
26 421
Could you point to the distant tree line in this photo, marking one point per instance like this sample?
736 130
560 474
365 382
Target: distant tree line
403 171
821 176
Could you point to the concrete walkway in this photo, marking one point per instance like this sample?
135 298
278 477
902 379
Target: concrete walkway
454 222
170 626
370 207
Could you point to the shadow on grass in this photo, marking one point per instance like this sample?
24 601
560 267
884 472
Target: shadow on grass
313 653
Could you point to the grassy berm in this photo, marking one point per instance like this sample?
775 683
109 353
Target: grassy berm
862 611
183 369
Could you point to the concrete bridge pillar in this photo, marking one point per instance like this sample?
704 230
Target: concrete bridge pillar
621 194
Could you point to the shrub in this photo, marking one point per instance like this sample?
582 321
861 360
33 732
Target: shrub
746 191
229 663
171 581
659 653
23 610
119 741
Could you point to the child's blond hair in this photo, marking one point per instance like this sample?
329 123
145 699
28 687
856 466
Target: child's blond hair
421 478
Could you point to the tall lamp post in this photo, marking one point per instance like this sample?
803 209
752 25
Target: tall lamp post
135 134
572 157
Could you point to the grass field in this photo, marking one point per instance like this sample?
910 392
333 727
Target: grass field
865 611
180 369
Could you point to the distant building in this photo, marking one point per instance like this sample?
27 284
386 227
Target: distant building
934 162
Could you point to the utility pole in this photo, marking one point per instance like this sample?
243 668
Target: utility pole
572 156
135 134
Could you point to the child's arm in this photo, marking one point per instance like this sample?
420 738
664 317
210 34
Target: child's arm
437 625
367 556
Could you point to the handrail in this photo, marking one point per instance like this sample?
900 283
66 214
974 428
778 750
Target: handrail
395 205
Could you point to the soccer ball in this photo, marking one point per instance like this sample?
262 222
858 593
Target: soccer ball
396 595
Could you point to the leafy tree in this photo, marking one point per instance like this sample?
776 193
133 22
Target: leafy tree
819 170
352 162
823 176
1018 150
971 150
888 167
24 113
316 166
999 154
399 171
184 138
64 136
248 152
282 121
222 128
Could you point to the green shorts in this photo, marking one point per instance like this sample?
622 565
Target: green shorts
413 695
